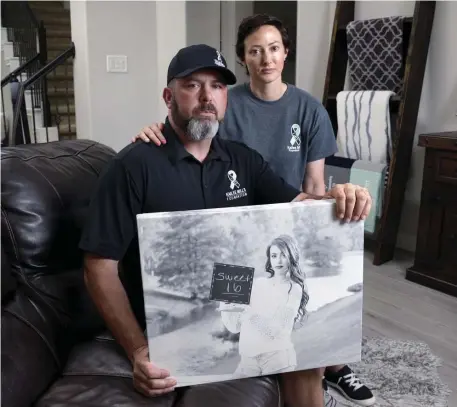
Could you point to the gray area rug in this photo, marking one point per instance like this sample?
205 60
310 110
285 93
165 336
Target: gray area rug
400 374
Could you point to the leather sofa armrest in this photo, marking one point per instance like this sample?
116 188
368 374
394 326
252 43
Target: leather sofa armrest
28 365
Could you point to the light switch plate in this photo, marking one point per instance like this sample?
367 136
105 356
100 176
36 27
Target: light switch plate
116 63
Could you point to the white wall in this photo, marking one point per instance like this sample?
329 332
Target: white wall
169 35
203 23
312 43
81 71
112 107
438 104
6 103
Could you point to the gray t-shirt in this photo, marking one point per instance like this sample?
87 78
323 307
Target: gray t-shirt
288 133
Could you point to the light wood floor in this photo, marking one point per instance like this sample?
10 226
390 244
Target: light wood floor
399 309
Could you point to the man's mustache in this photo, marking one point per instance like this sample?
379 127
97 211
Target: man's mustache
209 108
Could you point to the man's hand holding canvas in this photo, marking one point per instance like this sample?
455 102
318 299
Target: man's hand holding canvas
149 379
353 202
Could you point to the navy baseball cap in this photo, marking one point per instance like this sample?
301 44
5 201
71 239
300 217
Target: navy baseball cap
197 57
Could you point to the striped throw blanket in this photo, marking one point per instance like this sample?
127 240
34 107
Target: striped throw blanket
364 125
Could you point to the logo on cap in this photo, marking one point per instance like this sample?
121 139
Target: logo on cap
219 61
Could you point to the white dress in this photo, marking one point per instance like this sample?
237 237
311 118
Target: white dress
266 324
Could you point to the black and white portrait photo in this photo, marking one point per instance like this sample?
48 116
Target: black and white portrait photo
250 291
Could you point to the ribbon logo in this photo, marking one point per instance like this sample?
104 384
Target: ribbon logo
219 61
295 132
232 178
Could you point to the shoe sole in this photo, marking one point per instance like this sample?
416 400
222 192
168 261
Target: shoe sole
363 403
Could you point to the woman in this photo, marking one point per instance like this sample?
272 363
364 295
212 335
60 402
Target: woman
287 126
277 304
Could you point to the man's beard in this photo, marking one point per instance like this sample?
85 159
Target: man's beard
196 129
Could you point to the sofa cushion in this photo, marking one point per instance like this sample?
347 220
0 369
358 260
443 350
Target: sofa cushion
46 190
99 374
102 356
251 392
99 391
104 361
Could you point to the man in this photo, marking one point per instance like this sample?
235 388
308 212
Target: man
189 172
268 123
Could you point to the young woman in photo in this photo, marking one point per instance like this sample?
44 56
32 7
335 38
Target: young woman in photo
277 304
292 131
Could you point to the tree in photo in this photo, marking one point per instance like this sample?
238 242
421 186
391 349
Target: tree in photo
326 256
318 234
186 252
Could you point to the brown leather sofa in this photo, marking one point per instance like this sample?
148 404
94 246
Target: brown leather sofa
55 351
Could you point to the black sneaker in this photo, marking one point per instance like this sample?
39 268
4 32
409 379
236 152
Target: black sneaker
349 385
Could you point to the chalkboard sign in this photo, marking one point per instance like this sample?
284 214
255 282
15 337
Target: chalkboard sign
231 283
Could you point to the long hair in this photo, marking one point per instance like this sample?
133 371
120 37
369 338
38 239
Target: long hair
289 248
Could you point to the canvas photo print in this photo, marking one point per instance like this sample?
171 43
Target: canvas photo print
250 291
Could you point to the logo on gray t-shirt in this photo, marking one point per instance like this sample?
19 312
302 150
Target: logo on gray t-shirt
295 140
289 132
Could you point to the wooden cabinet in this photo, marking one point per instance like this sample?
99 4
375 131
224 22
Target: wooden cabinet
435 263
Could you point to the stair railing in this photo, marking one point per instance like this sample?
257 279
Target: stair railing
20 121
12 79
28 36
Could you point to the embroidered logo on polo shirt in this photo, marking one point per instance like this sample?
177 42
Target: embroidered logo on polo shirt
236 190
219 61
295 140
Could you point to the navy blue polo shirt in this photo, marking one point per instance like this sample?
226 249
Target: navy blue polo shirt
144 178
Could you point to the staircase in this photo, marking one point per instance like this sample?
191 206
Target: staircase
20 47
60 84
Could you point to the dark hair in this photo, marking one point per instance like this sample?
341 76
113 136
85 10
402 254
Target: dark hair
252 24
289 247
